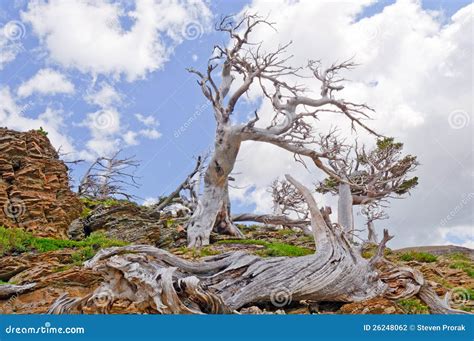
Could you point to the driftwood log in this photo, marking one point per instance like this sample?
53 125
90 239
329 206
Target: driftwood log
160 282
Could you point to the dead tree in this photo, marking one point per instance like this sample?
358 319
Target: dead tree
288 201
109 177
190 184
366 177
246 61
160 282
289 208
372 212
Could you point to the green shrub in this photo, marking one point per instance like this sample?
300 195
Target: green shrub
413 306
285 232
466 266
272 249
423 257
83 254
16 240
42 131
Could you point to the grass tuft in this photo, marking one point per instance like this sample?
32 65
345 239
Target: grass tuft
413 306
18 241
272 249
423 257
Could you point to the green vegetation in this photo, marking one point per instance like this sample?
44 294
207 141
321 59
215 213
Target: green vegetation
462 262
388 143
406 185
202 252
272 249
466 266
369 251
248 227
83 254
285 232
17 241
423 257
413 306
42 131
459 256
328 183
207 251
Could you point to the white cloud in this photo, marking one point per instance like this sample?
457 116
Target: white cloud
105 97
130 138
147 120
105 128
46 82
150 201
13 116
462 235
152 134
414 70
8 49
88 35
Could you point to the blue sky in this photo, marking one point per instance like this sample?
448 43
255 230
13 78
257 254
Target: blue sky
167 92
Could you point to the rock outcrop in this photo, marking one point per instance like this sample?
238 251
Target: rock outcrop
123 220
34 185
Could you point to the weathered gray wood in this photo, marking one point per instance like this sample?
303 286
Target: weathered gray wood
7 290
159 281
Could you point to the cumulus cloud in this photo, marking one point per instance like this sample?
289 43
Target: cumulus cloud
152 134
147 120
15 117
8 48
104 97
130 138
46 82
415 70
89 35
106 125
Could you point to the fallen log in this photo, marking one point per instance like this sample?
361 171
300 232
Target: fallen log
160 282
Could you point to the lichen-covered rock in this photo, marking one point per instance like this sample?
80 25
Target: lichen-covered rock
123 220
34 185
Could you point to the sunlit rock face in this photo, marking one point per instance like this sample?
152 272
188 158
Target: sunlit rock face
34 186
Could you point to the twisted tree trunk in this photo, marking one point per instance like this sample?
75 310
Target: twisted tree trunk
159 282
372 236
344 208
214 202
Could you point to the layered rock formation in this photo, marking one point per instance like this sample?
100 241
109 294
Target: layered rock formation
131 223
34 187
